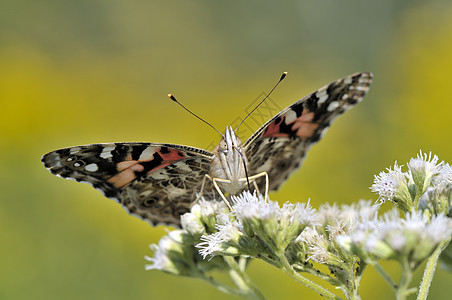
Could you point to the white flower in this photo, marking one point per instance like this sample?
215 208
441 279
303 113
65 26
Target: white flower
392 237
256 227
444 178
274 225
192 224
300 213
317 243
222 242
169 255
422 169
207 212
386 184
346 217
328 214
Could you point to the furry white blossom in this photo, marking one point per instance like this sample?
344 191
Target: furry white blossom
386 184
444 178
412 238
318 245
169 246
223 242
208 211
347 213
258 224
422 169
192 224
425 163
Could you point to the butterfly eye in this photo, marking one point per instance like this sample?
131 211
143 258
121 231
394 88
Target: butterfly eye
223 145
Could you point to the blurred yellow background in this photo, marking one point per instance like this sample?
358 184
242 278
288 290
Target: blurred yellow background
80 72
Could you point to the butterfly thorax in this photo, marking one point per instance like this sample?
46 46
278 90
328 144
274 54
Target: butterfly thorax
229 163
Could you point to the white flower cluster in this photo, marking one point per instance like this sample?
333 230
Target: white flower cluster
176 252
410 239
297 239
257 227
405 189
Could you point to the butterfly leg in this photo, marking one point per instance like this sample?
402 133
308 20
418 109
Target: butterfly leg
198 197
215 184
253 179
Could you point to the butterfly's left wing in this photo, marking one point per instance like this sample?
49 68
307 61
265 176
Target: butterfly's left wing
156 182
279 146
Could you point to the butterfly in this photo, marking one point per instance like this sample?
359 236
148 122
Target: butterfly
159 182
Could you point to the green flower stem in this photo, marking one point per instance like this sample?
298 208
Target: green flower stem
287 268
357 280
221 286
269 261
242 263
359 273
402 290
352 289
430 270
411 291
385 276
320 275
242 280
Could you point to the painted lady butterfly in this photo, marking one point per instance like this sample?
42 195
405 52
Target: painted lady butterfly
159 182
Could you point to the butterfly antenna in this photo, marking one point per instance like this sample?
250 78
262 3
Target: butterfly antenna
175 100
280 79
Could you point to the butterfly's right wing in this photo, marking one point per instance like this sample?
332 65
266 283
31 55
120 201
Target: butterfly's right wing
157 182
279 146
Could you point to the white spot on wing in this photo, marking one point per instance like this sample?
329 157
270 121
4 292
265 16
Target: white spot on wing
364 80
332 106
291 116
91 167
106 153
147 153
361 88
322 95
160 175
74 150
176 192
184 167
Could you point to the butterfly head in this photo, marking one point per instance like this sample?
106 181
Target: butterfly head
230 150
230 161
230 142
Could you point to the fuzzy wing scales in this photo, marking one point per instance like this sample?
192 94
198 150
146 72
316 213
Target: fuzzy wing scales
280 145
157 182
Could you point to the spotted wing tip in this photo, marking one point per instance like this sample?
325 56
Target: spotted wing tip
365 77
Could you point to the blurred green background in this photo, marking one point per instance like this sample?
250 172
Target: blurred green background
80 72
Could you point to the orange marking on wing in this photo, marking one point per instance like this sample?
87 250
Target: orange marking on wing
127 173
168 158
172 155
125 164
128 168
304 125
273 129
